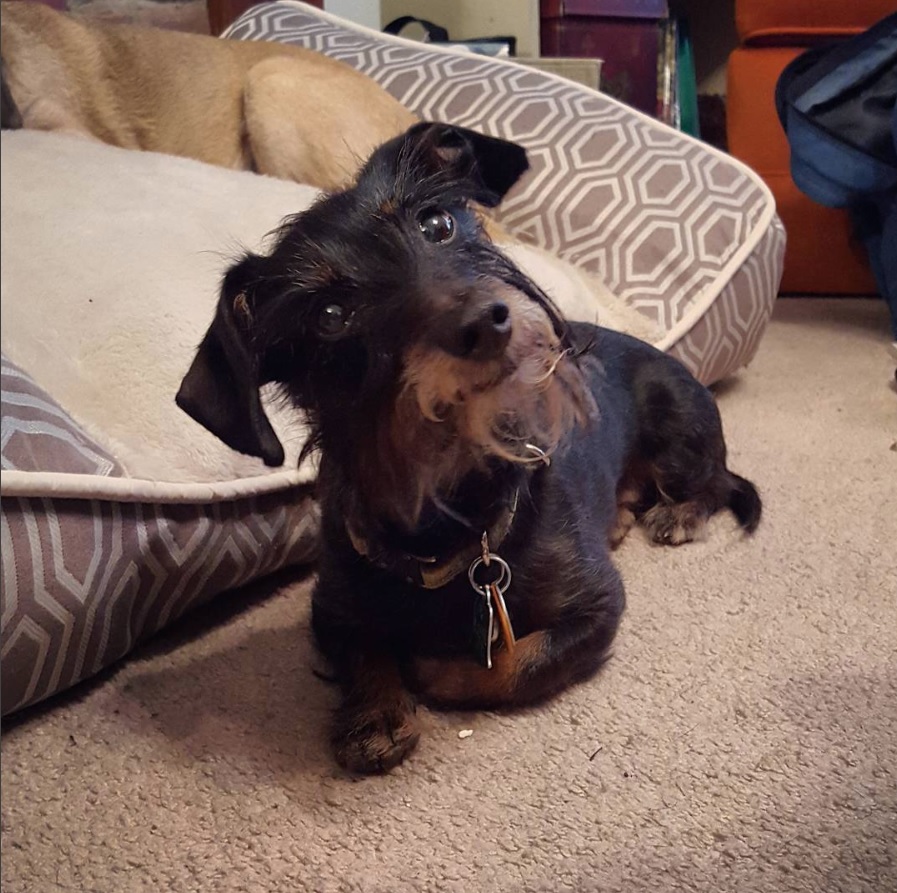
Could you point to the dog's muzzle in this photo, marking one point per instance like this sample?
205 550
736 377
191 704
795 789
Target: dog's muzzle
480 332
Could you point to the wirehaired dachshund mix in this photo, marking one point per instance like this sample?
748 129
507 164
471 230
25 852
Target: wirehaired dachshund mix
479 455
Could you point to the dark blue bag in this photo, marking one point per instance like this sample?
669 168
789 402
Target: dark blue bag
837 106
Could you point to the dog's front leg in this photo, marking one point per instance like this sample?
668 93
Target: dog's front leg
538 666
375 727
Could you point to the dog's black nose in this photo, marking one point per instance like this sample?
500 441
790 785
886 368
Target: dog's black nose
485 332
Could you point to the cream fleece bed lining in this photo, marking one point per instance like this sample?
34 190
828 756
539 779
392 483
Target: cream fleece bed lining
111 261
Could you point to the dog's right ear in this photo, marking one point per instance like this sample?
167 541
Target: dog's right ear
492 165
221 389
487 165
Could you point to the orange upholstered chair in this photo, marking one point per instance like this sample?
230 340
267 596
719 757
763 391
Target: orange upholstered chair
821 256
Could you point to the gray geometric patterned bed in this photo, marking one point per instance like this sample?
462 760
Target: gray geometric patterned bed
676 229
85 579
103 544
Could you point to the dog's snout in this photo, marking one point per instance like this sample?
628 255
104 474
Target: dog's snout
474 327
485 332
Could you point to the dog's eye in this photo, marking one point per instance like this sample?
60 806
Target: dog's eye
436 225
333 320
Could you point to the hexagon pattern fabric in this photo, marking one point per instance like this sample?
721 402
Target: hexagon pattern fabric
84 580
679 231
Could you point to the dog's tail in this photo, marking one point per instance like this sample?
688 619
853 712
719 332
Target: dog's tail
745 502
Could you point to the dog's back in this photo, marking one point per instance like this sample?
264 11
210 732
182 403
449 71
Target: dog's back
237 104
677 475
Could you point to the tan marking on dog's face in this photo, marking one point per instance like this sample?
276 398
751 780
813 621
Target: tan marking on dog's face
453 413
533 393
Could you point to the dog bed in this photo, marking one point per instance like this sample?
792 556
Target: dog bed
679 231
118 512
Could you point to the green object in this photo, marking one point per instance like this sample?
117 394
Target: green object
687 81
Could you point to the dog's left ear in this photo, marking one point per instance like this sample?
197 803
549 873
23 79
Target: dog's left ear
492 165
221 389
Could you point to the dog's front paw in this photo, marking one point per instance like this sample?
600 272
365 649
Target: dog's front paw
375 737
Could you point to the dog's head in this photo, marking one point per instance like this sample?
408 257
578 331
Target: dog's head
391 319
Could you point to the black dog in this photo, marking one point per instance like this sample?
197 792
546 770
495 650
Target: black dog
477 453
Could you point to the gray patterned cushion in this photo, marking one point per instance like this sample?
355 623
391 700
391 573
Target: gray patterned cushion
118 513
85 580
678 230
40 434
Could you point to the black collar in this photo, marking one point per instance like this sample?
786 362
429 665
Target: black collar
434 572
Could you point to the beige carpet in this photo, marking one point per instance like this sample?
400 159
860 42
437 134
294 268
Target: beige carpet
743 738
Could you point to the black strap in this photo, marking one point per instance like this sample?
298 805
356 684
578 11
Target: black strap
435 33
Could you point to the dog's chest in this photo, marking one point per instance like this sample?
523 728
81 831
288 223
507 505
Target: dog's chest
445 621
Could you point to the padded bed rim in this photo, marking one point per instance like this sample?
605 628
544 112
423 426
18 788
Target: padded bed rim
14 483
699 306
63 485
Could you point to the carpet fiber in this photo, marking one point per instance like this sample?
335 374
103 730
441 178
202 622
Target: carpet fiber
743 737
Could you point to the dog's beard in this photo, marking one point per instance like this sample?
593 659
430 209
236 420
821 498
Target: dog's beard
453 414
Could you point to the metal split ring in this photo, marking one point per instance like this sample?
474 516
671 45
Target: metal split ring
502 583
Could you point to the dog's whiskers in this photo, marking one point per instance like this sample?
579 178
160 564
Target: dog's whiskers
553 368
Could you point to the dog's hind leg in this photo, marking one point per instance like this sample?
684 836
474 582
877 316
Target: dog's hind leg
689 484
675 523
683 469
672 523
628 500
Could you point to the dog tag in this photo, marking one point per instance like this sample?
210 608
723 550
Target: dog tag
491 605
484 629
504 620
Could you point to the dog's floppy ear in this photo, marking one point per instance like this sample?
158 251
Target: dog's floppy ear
493 165
221 389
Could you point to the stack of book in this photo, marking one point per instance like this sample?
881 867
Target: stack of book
677 88
646 52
